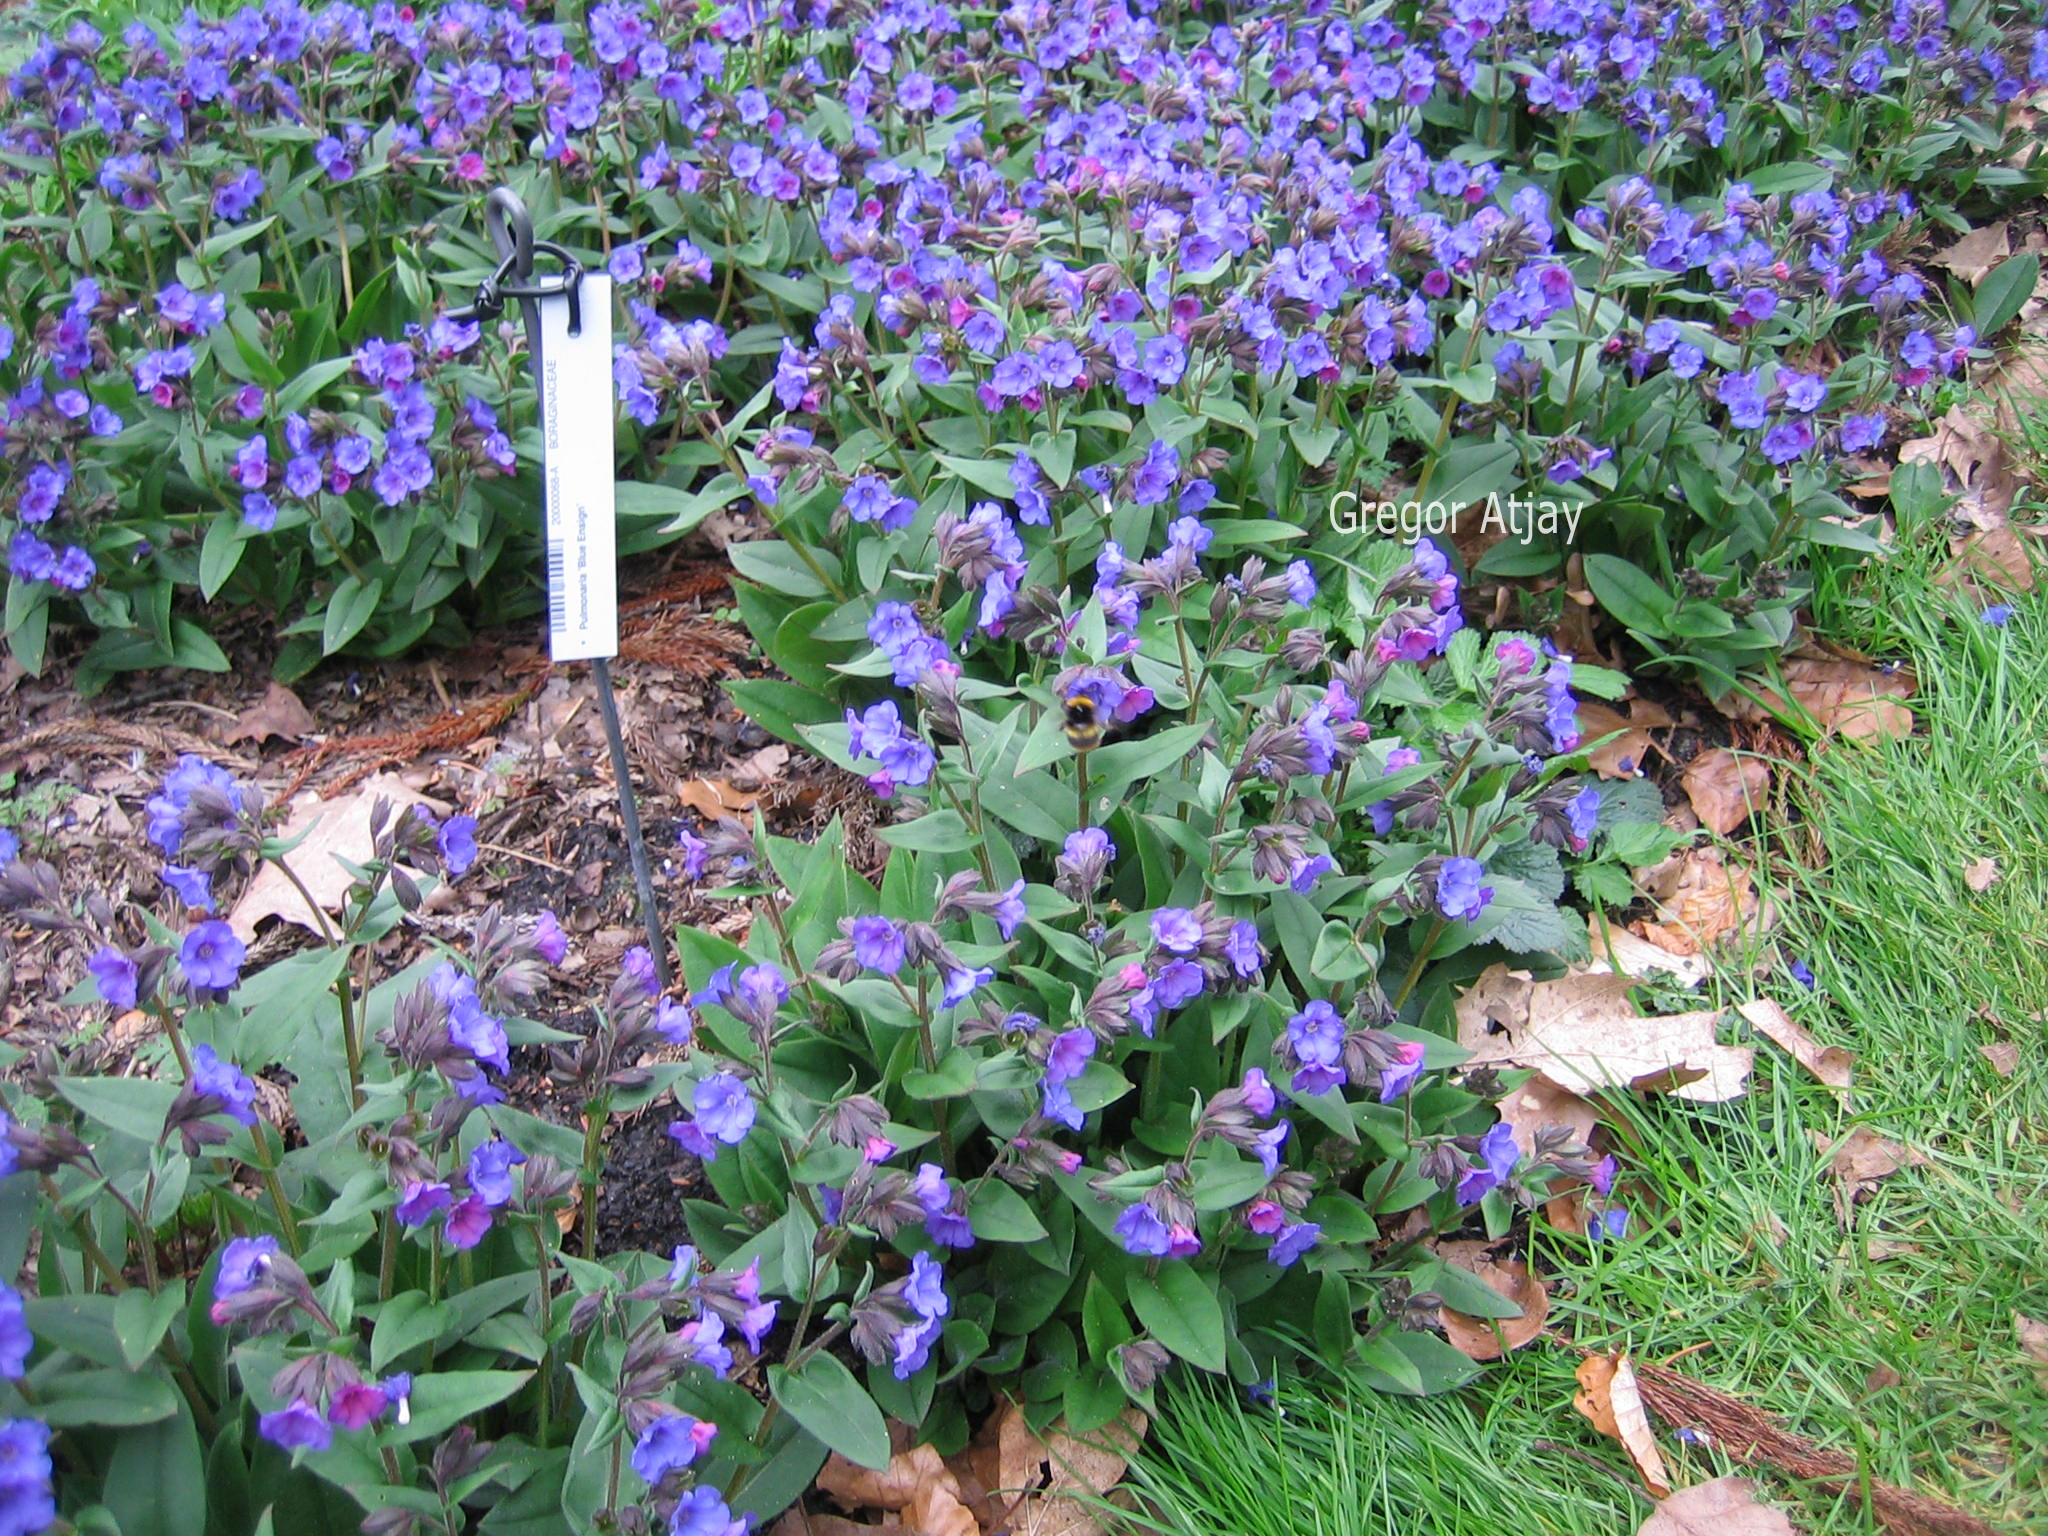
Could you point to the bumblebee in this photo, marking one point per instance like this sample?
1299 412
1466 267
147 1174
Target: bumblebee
1083 722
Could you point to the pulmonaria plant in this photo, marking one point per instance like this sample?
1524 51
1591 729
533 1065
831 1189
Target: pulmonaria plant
1138 1053
875 268
361 1276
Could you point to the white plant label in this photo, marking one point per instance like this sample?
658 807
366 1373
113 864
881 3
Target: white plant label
578 465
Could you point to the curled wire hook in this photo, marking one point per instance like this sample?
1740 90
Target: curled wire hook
511 231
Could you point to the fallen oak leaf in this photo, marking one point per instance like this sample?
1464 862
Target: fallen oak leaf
1861 1162
1829 1064
1609 1398
1726 1506
1726 790
333 831
1622 757
1701 899
1847 698
2033 1337
1981 874
2003 1055
1583 1033
1976 253
277 713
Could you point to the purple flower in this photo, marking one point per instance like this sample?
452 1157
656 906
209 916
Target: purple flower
212 956
961 983
703 1513
1142 1233
1241 948
15 1343
1499 1153
549 942
298 1426
1301 582
695 852
1177 930
1293 1242
1008 910
1611 1225
423 1197
1459 895
194 887
456 840
724 1107
1998 615
945 1216
1316 1036
468 1220
225 1081
1305 872
362 1403
1860 433
925 1289
1178 983
1069 1054
1802 973
1582 815
259 512
669 1444
878 944
242 1263
1399 1076
115 975
674 1022
490 1170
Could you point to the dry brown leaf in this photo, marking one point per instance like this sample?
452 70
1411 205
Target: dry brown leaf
2003 1055
1848 698
1621 758
1981 874
2033 1337
1609 1398
1037 1477
1861 1162
1829 1064
1974 466
1701 898
1583 1033
917 1482
1567 1212
1540 1103
713 798
1993 555
798 1521
1881 1378
335 830
277 713
1484 1338
1618 948
1726 1506
1725 789
1976 253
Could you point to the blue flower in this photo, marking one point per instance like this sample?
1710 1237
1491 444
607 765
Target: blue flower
115 975
1997 615
226 1082
212 956
669 1444
1293 1242
1177 930
1459 895
15 1340
1142 1233
490 1170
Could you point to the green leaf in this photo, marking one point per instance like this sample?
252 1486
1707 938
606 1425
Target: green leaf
131 1106
940 831
989 475
954 1078
1413 1364
776 566
1103 1324
441 1401
140 1320
827 1400
1475 384
1124 762
350 606
406 1321
1630 594
1180 1310
300 393
106 1397
220 552
2001 293
1314 444
156 1478
1000 1215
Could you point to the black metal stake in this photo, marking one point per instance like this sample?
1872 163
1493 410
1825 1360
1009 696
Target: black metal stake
511 231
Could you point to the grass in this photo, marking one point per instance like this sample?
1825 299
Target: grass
1737 1255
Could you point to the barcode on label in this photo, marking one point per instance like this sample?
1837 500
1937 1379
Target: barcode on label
558 589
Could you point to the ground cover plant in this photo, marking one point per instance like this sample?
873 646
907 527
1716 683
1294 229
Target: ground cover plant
1602 256
1891 1322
